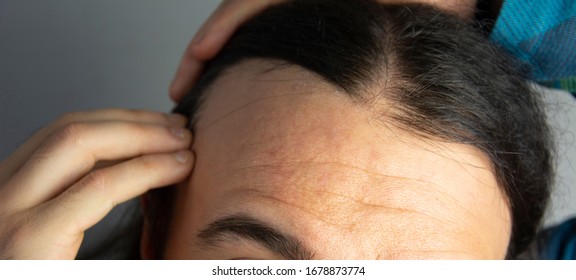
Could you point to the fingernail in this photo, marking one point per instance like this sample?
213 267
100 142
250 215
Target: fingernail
177 131
181 157
177 119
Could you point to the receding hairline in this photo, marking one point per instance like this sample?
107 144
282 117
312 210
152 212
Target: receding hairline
377 96
511 134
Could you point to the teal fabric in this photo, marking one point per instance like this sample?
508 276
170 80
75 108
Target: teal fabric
560 242
543 35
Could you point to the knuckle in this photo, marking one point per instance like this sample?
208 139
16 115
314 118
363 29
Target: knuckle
97 180
149 163
71 133
65 136
99 184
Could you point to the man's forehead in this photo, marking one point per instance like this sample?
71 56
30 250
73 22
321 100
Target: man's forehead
324 164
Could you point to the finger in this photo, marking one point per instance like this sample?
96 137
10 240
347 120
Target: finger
225 22
88 201
210 39
75 149
10 165
186 76
190 67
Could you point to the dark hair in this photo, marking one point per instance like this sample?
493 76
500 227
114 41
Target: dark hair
445 80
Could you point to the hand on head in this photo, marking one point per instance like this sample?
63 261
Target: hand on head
210 39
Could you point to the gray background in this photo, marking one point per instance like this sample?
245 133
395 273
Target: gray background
66 55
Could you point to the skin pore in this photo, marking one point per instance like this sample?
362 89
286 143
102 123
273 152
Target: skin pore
288 166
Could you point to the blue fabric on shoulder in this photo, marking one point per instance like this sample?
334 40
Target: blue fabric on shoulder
543 35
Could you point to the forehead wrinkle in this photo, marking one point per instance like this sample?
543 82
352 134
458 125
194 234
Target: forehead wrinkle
245 106
346 224
253 193
357 202
439 147
421 228
260 71
385 180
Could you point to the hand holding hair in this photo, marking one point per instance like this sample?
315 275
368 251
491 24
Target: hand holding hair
53 187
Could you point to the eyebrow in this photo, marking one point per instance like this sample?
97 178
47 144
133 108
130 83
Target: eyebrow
248 228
